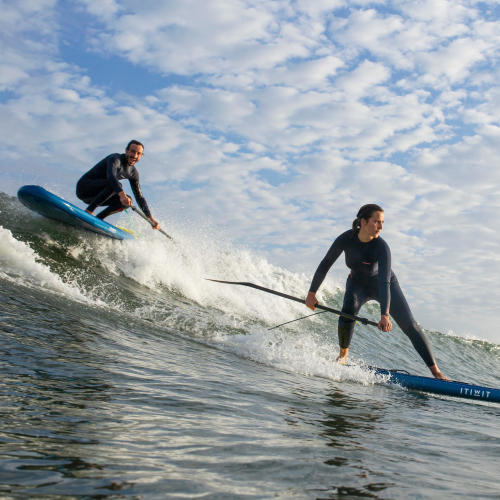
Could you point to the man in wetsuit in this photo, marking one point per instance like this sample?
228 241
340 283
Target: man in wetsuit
101 184
369 258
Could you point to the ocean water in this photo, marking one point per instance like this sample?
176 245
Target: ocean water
125 374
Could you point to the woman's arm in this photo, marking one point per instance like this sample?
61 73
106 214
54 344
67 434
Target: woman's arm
324 266
384 284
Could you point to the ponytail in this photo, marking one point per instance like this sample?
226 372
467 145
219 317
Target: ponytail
365 212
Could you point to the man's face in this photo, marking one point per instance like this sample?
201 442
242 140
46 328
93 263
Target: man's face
134 153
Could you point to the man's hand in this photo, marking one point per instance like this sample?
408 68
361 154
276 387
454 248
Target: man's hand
154 223
125 200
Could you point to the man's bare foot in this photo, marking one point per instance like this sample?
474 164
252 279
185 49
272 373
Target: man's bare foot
342 360
89 212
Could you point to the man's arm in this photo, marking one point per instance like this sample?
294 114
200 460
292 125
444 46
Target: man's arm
136 189
141 201
113 164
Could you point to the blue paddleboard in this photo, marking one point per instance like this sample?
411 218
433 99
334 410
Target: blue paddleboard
444 387
53 207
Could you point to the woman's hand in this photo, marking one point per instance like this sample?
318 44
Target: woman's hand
311 300
385 323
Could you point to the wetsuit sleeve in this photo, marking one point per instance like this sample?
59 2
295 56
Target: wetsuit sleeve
324 266
384 277
136 189
113 164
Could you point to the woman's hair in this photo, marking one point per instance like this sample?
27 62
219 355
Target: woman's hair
365 212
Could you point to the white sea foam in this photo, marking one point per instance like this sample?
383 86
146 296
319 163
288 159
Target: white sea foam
311 355
182 267
20 264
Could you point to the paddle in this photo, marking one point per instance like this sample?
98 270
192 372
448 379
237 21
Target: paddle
365 321
294 320
138 212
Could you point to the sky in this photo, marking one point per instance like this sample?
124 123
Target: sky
275 120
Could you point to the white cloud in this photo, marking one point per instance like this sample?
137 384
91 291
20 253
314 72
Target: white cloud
10 76
104 9
21 53
362 79
453 62
305 74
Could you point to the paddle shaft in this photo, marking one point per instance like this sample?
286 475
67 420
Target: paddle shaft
294 320
365 321
138 212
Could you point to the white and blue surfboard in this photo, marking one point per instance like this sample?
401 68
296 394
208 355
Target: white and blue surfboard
53 207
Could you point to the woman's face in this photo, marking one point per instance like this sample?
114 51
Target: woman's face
373 226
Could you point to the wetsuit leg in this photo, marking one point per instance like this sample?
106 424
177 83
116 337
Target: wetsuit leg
97 192
354 298
112 209
89 189
401 313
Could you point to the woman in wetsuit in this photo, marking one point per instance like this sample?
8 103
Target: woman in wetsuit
371 278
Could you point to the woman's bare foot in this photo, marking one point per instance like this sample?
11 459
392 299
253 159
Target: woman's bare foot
437 373
342 357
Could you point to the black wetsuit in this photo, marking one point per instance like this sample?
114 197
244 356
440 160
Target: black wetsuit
101 185
371 278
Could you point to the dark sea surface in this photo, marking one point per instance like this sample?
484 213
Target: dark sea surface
125 374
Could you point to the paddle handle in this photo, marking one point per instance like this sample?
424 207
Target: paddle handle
138 212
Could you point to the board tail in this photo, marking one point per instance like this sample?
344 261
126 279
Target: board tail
444 387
